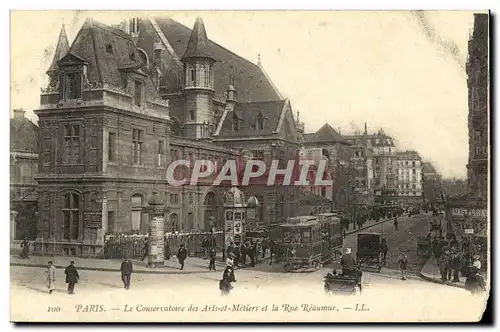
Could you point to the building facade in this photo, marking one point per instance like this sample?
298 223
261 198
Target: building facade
24 154
122 104
409 171
478 86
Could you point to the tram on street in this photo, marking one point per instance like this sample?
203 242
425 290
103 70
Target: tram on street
332 237
301 244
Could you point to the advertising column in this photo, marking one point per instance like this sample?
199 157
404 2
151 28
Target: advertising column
156 240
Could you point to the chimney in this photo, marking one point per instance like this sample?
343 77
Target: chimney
19 113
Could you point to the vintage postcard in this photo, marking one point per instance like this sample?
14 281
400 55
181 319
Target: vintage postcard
218 166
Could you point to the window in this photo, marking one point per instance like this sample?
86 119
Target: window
71 85
191 115
217 115
71 144
157 56
193 76
260 121
414 186
236 123
174 199
111 146
137 137
406 163
111 222
161 152
136 212
413 163
109 48
138 93
323 191
191 198
71 216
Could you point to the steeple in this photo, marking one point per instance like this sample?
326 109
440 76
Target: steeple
198 43
366 129
62 49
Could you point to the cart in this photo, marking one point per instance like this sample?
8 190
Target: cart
368 251
339 284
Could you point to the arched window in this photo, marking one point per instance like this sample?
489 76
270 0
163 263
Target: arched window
136 212
71 216
173 222
236 122
260 121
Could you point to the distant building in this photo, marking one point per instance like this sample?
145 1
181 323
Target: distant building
431 184
24 159
375 164
338 152
409 170
478 85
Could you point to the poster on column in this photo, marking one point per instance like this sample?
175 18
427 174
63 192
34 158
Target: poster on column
156 241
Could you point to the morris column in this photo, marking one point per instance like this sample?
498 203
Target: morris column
156 243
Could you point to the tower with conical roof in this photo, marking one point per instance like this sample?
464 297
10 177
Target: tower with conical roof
198 83
62 49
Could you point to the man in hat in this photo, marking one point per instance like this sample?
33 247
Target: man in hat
181 255
71 277
348 264
403 262
126 270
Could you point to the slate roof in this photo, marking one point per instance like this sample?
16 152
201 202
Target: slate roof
109 53
325 134
248 113
198 42
62 49
23 135
250 81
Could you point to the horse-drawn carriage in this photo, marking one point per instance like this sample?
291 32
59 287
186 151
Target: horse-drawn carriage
368 251
338 283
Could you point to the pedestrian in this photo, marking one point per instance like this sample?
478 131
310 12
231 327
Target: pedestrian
167 250
225 283
213 254
396 223
71 277
230 266
146 250
456 264
230 248
126 270
253 252
237 255
265 245
205 246
25 249
181 255
403 262
51 277
273 249
383 251
446 261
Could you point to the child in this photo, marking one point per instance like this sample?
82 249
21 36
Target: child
403 261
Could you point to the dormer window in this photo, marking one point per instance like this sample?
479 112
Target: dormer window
138 93
260 121
217 116
71 85
236 123
109 48
132 56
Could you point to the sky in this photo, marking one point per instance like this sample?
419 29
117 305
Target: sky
397 70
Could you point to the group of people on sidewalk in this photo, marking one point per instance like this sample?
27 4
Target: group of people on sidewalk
454 260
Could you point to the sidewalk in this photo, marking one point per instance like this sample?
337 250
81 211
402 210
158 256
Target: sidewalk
192 265
430 272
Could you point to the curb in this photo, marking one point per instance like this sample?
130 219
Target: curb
366 227
111 270
437 281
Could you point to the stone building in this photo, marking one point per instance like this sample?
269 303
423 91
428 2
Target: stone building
122 104
375 164
478 86
409 171
24 154
338 152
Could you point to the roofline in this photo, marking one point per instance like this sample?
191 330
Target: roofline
279 125
164 39
270 80
210 40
